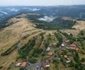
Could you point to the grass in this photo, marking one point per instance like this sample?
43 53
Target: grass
15 68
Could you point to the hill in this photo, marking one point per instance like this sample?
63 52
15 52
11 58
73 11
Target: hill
25 40
11 35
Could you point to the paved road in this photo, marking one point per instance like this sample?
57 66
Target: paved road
36 66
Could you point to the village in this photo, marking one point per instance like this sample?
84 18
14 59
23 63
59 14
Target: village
56 50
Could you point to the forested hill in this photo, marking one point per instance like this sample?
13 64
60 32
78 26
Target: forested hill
74 11
50 23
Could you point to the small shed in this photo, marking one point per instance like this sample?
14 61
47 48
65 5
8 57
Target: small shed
48 49
47 65
62 45
68 60
18 64
23 64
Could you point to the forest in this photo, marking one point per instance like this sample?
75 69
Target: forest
57 23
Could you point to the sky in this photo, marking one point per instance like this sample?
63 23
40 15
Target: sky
40 2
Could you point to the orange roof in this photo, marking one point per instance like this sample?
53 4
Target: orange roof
50 53
77 49
65 56
23 64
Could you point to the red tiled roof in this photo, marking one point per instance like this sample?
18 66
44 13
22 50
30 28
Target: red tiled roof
45 66
23 64
72 45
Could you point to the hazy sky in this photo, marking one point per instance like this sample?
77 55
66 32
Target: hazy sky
40 2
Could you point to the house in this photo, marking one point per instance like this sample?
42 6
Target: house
50 53
23 64
48 49
65 56
72 45
46 64
18 64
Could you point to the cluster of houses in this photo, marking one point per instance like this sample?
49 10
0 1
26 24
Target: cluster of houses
46 64
72 46
69 46
68 59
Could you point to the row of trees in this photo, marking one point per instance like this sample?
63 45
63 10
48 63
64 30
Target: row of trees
60 39
27 48
8 51
36 52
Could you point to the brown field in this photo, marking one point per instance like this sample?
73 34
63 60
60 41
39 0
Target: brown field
80 25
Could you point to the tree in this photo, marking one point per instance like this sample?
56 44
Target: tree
38 50
83 60
56 65
32 60
55 61
76 57
21 68
1 67
81 33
